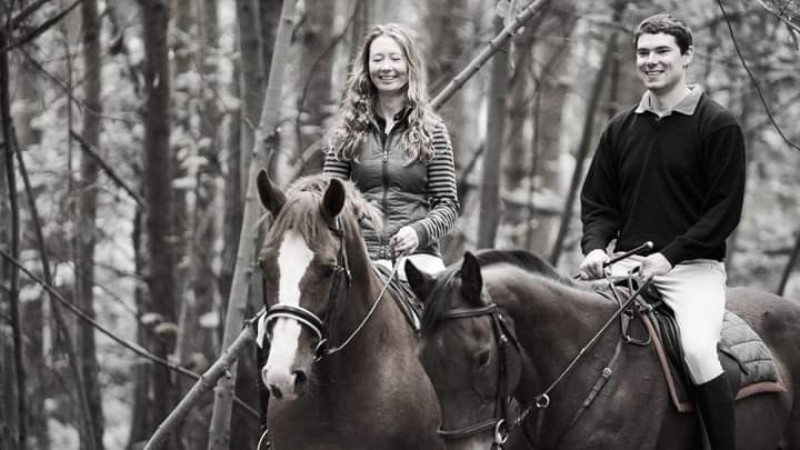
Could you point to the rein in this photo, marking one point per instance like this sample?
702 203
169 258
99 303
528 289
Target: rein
313 322
542 401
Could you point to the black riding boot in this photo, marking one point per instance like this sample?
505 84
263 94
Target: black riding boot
715 400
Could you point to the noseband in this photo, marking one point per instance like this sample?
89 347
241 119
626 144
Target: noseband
503 336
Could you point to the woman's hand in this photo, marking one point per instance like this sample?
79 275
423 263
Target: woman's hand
405 241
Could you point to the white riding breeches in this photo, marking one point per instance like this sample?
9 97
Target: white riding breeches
695 290
429 264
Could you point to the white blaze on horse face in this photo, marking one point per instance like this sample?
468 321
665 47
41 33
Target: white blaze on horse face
294 258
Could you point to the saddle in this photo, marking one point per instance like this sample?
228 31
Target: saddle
747 361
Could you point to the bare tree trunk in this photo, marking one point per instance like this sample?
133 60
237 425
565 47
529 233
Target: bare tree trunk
315 103
8 403
267 14
185 95
10 276
249 84
257 38
245 262
159 228
584 145
447 39
141 415
257 27
490 187
86 233
514 166
551 90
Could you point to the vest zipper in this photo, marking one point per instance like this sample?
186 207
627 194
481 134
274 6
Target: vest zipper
385 180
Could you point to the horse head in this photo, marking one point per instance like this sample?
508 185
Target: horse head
305 267
469 353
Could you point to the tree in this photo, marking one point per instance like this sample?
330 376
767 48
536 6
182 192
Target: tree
490 186
245 261
551 91
157 181
9 278
86 233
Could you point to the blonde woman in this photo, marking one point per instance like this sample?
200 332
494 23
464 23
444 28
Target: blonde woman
396 150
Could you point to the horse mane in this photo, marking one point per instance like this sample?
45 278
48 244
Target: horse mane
438 300
302 213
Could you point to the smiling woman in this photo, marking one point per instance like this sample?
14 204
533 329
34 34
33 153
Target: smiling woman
396 150
388 70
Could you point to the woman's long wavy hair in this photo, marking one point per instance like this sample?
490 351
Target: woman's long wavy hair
360 101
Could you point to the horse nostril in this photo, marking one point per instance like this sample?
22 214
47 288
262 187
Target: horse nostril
300 381
275 391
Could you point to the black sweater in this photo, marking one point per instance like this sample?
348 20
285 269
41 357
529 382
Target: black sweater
677 181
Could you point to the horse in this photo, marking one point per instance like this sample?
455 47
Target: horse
505 324
342 370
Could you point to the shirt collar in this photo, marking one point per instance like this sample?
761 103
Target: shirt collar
401 116
687 105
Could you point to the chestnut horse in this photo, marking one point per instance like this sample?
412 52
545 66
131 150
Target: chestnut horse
342 370
506 324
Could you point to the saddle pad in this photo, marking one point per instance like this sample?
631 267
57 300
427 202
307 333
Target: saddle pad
740 344
403 295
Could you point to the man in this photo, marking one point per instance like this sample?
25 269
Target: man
671 170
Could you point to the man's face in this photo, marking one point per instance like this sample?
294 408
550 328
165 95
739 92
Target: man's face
659 61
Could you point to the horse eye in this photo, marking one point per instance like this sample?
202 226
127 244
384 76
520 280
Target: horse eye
328 270
483 359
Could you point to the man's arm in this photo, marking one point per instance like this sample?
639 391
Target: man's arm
726 169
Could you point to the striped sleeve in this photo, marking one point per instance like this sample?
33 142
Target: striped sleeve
336 167
442 192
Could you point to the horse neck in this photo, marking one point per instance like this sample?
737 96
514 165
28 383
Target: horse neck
552 321
355 303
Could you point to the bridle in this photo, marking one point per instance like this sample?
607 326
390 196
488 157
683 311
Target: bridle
317 324
499 424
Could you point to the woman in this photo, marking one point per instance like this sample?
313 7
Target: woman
396 150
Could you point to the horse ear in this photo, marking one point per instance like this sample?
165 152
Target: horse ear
419 281
271 196
471 279
333 201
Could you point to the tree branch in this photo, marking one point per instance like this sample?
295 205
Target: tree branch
206 381
129 345
491 48
89 150
754 81
41 28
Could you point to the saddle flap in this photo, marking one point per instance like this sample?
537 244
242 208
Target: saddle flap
748 362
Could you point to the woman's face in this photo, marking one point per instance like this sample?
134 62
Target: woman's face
388 69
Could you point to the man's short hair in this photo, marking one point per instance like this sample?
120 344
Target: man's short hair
667 24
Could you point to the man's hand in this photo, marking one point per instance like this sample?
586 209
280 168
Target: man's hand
592 266
405 241
654 265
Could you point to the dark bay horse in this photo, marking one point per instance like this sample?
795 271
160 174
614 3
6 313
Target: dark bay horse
477 312
342 371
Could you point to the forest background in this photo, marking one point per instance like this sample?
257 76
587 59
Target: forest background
128 130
